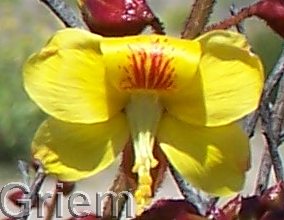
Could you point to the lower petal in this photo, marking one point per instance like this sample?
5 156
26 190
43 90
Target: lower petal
75 151
213 159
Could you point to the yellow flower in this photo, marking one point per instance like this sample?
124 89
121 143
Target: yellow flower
185 95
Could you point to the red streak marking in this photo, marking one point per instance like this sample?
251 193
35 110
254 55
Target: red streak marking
149 70
143 60
136 68
161 76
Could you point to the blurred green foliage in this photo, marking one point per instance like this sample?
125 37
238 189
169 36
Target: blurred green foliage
22 31
25 27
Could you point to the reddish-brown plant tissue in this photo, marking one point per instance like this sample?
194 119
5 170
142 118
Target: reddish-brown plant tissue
16 196
171 209
116 17
272 11
267 206
90 216
65 187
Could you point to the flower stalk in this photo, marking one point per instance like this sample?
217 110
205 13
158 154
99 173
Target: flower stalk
198 18
64 12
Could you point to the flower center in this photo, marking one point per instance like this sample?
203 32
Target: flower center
149 70
143 114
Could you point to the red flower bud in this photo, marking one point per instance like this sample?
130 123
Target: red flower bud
272 11
116 17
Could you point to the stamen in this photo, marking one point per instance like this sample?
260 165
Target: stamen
143 112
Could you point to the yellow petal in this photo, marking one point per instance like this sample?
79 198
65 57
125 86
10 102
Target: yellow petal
227 86
212 159
150 62
74 151
67 79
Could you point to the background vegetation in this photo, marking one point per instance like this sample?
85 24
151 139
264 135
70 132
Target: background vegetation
25 25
